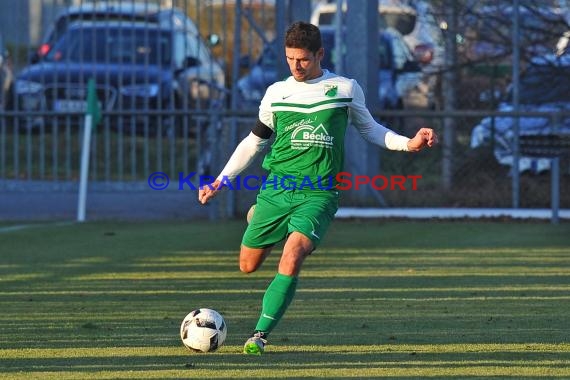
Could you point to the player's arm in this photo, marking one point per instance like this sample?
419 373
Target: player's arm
378 134
424 137
386 138
242 157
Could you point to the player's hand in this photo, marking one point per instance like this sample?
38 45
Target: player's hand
209 191
424 137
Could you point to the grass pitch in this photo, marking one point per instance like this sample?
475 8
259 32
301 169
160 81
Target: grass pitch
377 299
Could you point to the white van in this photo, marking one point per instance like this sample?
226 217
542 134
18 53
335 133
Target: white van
418 29
417 25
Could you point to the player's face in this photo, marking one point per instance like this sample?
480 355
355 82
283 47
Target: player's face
304 65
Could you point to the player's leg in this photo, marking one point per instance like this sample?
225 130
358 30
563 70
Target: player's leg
250 259
306 227
280 291
266 227
296 249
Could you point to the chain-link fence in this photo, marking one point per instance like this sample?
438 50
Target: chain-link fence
168 83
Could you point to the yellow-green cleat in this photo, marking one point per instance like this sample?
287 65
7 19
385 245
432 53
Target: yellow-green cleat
254 345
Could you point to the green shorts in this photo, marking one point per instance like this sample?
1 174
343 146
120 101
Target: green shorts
278 212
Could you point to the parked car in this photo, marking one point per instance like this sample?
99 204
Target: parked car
109 11
400 17
419 29
6 75
426 39
140 68
397 74
543 88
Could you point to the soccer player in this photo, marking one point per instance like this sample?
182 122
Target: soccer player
309 113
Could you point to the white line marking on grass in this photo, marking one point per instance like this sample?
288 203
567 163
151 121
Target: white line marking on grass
443 213
21 227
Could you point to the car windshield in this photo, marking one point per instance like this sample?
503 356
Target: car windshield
113 45
402 22
544 84
331 55
329 18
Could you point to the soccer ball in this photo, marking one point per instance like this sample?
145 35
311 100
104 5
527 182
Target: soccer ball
203 330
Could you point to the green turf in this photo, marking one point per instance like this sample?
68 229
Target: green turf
377 299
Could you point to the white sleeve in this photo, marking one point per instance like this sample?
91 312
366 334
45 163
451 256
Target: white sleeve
370 130
243 156
265 112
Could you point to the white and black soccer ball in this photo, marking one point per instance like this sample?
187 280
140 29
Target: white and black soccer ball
203 330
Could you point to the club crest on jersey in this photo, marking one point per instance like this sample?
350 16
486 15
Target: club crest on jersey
331 89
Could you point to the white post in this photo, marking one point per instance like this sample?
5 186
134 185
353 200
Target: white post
84 171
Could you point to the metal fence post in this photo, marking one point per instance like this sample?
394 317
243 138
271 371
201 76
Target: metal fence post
362 42
449 95
516 108
231 196
555 189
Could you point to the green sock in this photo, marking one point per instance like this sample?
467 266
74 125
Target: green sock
277 298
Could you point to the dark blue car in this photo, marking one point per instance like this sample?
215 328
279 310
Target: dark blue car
143 72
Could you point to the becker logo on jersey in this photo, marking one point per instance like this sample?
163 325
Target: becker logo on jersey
305 136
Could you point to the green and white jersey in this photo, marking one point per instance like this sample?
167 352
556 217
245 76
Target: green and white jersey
310 120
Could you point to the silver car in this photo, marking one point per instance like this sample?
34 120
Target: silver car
544 87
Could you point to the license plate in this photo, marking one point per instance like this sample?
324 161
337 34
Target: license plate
70 106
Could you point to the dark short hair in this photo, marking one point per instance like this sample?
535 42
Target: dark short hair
302 35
